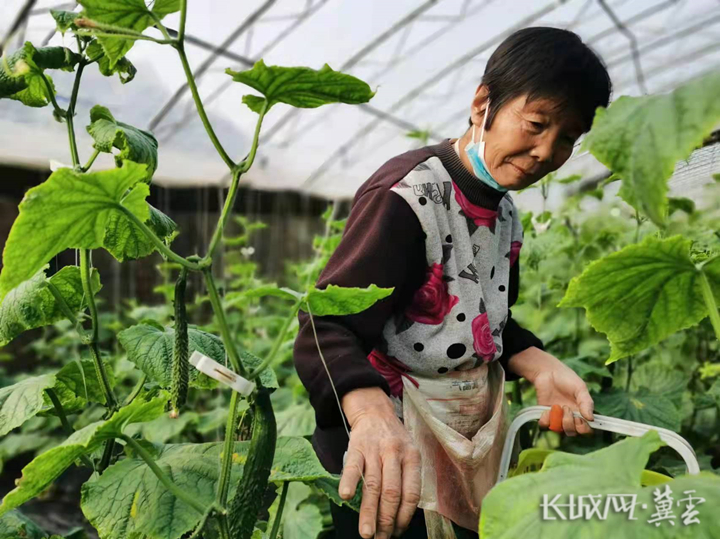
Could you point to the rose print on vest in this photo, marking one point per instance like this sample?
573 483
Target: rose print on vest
483 341
514 252
392 370
475 215
432 301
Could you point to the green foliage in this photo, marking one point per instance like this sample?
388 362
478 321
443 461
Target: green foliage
641 138
131 15
641 406
72 210
31 305
641 294
47 467
337 300
77 385
24 79
134 144
21 401
14 525
125 241
300 86
512 508
147 509
123 68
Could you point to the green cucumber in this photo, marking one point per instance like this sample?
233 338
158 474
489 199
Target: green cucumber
180 367
245 506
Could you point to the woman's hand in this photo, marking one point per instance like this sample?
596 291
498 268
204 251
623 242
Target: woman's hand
556 383
381 449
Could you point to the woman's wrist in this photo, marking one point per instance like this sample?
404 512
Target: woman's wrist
366 401
531 362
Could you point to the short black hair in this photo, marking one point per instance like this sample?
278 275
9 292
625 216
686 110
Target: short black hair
547 62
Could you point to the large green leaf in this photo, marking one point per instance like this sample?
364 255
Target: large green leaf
21 401
660 379
77 384
47 467
31 304
24 80
641 138
337 300
301 518
151 349
300 86
69 210
131 14
65 20
641 294
124 68
642 406
134 144
513 508
15 525
140 506
126 241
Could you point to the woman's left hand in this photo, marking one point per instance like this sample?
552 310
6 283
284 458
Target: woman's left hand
556 383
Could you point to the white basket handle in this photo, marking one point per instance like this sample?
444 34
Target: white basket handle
601 422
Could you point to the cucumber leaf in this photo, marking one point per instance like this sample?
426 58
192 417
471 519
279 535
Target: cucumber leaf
641 138
24 80
65 20
300 87
22 401
151 349
31 304
142 507
124 68
641 294
14 525
642 406
130 14
48 466
77 384
134 144
72 211
337 300
125 241
513 508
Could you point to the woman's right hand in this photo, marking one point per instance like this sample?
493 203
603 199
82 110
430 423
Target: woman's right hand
380 448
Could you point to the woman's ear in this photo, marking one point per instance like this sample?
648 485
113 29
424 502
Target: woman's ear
479 103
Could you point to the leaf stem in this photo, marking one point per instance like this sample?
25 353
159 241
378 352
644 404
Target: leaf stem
64 421
278 342
183 19
160 26
228 447
136 390
180 46
712 307
164 479
91 161
51 96
222 322
238 171
67 311
69 115
164 249
278 515
85 272
140 37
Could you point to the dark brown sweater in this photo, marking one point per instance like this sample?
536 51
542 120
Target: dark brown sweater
383 243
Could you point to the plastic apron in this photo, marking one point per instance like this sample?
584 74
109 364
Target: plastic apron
458 422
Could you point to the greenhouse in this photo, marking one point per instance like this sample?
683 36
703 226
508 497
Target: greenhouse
315 269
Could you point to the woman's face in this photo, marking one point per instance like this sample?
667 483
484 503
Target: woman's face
527 140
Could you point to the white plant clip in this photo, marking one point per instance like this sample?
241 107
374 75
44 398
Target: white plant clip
221 373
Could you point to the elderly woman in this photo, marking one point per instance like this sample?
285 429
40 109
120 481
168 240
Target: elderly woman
420 374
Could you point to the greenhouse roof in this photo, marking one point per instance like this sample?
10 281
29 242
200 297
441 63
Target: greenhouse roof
425 58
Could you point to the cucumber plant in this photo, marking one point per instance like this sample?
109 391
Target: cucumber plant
139 489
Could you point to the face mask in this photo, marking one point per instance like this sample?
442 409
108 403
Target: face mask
476 153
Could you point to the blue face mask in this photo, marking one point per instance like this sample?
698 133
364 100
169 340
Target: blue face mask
476 153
